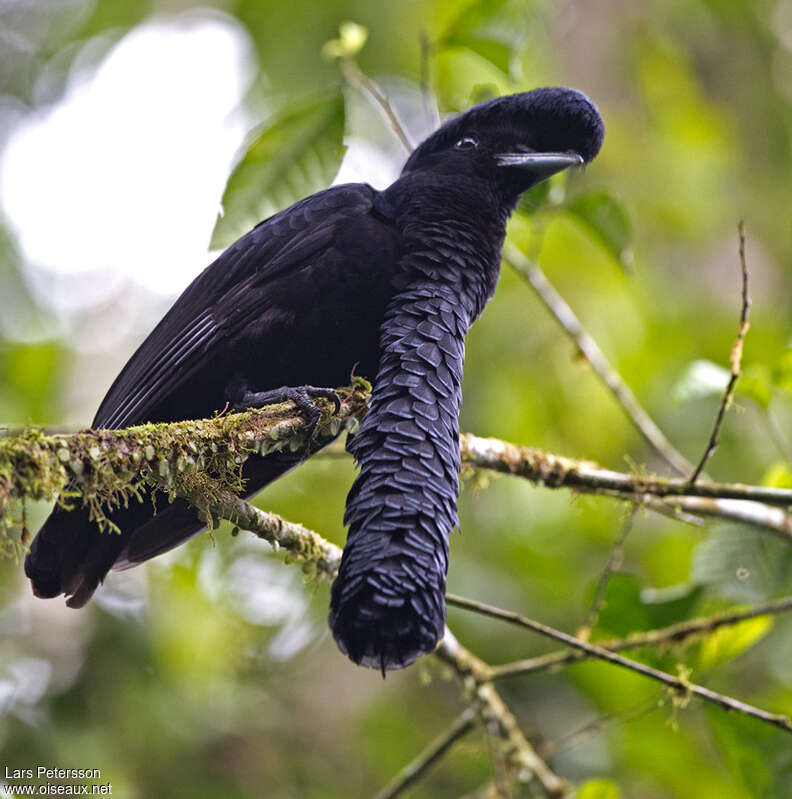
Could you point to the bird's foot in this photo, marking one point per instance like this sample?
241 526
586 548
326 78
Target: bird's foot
301 396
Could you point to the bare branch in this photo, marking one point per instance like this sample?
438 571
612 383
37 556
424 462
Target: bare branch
304 544
414 770
678 684
521 760
756 514
679 633
358 79
552 748
429 106
567 318
614 562
735 361
690 510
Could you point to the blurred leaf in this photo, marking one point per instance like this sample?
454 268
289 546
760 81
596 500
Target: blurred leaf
778 475
31 377
671 604
497 53
296 154
623 612
751 752
755 383
536 198
483 28
607 218
482 92
599 789
701 379
118 14
735 563
782 374
726 643
475 16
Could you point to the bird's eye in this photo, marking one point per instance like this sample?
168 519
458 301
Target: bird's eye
468 143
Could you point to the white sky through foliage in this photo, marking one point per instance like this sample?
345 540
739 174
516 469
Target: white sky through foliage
125 173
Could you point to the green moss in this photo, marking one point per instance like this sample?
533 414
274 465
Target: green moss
105 469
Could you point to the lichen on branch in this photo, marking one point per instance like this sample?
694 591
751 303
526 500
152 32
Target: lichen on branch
202 459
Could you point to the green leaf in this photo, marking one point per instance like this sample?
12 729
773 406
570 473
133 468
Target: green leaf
607 219
599 789
535 199
487 29
294 155
476 16
623 611
497 53
701 379
755 383
778 475
670 604
726 643
736 564
782 374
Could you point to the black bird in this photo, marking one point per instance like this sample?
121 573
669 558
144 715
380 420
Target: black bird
389 280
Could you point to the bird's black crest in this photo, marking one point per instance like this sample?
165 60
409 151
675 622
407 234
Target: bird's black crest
545 120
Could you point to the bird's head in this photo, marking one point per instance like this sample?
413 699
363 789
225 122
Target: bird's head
517 141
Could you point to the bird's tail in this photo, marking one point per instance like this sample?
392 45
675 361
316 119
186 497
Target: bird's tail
387 605
70 556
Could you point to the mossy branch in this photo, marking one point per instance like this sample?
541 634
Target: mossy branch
200 460
762 507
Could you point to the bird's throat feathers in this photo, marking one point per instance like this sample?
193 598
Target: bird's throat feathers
452 232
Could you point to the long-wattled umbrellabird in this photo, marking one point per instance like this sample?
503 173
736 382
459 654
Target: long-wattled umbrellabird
387 282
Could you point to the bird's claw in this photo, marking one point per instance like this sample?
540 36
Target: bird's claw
327 393
301 396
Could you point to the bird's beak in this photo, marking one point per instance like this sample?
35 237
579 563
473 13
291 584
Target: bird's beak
540 165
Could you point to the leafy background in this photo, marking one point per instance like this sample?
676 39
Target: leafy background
211 672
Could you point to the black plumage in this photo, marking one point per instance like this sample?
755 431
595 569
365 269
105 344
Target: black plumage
385 282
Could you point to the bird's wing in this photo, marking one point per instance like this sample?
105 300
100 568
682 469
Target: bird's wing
224 298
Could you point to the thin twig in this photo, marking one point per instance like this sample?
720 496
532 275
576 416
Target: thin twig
690 510
416 768
614 561
756 514
675 633
552 748
670 508
501 779
358 79
735 361
567 318
430 109
678 684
